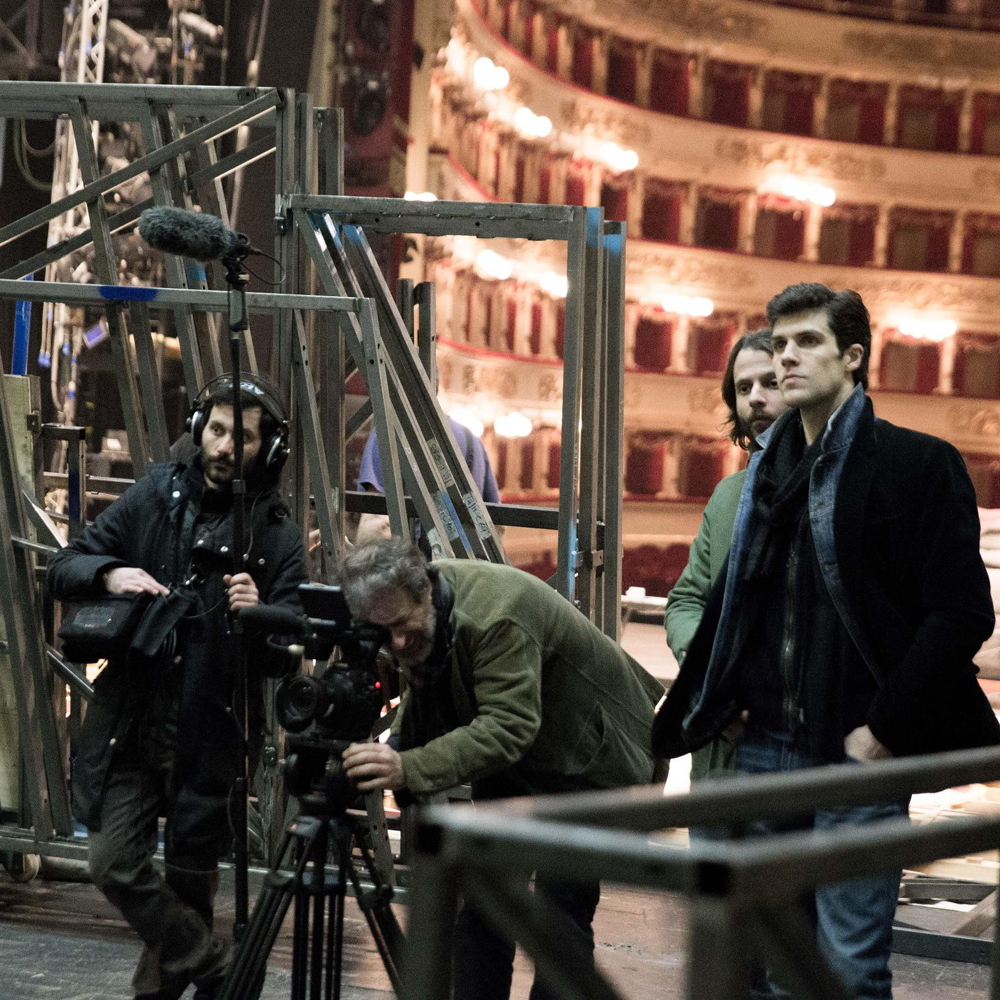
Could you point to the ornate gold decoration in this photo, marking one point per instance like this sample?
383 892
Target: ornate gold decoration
941 52
799 159
604 122
550 388
713 20
922 292
977 419
679 269
704 399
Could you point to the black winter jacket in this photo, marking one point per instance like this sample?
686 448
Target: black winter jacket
906 533
155 525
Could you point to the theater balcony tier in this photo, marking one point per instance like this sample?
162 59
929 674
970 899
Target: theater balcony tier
741 63
659 404
743 282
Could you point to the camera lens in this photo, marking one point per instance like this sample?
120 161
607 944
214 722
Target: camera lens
299 701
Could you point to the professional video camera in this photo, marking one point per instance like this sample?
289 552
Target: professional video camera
322 714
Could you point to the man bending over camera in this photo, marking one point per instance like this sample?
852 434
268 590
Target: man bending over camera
160 737
512 689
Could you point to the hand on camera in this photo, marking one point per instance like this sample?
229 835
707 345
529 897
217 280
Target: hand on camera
374 765
132 580
242 591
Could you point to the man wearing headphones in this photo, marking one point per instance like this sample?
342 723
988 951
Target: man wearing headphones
160 737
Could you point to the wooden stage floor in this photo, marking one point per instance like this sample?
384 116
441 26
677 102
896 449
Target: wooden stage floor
63 940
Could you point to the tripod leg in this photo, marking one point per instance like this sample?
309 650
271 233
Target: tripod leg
382 922
249 966
300 944
319 915
336 945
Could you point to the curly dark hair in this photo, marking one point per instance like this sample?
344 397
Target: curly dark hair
756 340
845 312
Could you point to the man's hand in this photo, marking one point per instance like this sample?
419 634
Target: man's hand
861 744
242 591
374 765
132 580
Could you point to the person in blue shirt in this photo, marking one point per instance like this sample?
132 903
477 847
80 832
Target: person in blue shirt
370 478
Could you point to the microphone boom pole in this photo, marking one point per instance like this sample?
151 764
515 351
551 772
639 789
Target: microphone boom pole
207 238
238 278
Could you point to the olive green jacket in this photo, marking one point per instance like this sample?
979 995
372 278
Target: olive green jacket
538 689
686 601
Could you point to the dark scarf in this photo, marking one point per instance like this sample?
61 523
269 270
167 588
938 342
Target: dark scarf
430 710
780 496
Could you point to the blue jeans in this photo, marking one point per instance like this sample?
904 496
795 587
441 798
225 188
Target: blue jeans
853 918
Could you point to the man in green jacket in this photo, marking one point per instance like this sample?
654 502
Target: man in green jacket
750 391
510 688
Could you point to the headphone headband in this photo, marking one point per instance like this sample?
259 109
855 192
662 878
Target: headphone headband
257 386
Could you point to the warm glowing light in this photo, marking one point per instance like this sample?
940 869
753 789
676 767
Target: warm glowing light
492 265
513 425
420 196
468 418
802 190
488 76
530 125
620 160
688 305
556 285
927 329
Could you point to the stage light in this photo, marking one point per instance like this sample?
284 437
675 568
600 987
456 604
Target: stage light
803 190
620 160
373 25
513 425
530 125
556 285
927 329
469 419
488 76
688 305
368 106
492 265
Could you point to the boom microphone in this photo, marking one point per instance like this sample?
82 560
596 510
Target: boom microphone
273 620
193 234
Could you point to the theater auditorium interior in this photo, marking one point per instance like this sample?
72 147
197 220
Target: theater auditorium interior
515 218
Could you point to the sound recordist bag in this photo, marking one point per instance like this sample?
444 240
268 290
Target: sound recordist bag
101 627
115 625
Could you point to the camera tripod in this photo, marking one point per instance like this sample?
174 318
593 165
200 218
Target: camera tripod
318 936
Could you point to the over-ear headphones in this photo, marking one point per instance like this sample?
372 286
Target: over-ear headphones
273 447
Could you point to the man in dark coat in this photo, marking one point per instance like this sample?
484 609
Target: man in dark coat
160 737
844 626
511 689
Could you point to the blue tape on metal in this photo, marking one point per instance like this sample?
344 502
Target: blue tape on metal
128 293
45 359
194 269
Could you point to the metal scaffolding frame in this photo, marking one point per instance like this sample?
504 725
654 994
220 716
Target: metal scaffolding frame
591 459
743 895
19 37
316 340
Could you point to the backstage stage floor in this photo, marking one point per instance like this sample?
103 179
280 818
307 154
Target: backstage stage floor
63 940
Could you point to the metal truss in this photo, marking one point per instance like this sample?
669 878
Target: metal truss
180 129
589 519
19 35
743 896
317 339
